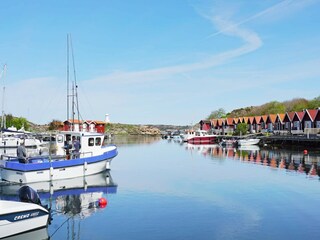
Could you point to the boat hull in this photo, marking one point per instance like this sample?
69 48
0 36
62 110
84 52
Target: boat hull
18 217
41 169
202 140
248 142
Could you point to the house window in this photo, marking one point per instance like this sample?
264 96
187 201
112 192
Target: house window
90 142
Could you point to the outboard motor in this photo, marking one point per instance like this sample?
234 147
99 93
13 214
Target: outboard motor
27 194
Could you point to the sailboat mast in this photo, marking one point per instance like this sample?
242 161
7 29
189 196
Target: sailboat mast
67 76
3 119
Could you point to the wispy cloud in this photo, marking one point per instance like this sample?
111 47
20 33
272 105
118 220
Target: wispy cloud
251 42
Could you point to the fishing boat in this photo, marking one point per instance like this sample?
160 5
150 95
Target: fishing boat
199 137
69 160
17 217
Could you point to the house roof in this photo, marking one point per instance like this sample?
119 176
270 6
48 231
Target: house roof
73 121
280 117
257 119
312 113
220 121
214 122
229 121
245 119
272 118
250 120
289 115
299 115
263 118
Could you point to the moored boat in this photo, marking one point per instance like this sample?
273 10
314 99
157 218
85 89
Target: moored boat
248 141
17 217
92 158
199 137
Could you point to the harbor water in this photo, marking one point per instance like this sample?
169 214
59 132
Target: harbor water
162 189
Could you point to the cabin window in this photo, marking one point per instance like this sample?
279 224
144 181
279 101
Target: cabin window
60 138
90 142
98 141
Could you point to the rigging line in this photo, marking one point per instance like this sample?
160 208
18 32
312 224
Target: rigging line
75 78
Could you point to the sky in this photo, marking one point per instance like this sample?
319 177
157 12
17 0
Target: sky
156 62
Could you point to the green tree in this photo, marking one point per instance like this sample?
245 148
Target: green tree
314 103
241 129
220 113
17 122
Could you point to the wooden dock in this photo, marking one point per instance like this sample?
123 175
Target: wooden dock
304 140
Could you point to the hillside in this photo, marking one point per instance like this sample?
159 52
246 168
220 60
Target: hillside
273 107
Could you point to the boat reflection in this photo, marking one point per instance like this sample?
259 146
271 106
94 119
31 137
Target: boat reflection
288 160
32 235
71 196
73 199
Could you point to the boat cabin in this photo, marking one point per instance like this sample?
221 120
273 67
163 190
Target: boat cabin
90 143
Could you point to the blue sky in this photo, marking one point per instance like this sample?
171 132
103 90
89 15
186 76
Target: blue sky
158 62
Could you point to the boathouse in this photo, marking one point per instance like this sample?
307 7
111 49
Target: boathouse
304 122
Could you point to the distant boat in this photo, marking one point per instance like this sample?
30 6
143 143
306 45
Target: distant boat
199 137
248 141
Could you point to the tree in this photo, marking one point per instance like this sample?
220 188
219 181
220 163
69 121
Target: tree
55 125
314 103
220 113
241 129
17 122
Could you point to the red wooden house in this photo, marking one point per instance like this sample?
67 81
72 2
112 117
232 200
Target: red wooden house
287 120
205 125
85 126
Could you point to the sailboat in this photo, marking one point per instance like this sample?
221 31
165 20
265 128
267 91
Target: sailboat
93 157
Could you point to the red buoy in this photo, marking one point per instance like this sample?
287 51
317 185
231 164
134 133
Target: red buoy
305 152
102 202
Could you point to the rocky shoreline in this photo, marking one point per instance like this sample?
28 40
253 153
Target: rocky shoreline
123 129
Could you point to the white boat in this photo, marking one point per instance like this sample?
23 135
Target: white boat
199 137
12 139
20 217
75 198
94 157
248 141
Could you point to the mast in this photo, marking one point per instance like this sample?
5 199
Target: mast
3 118
67 77
74 88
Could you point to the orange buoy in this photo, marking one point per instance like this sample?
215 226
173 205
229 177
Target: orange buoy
102 202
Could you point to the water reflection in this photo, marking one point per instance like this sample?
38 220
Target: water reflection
70 199
289 160
133 140
33 235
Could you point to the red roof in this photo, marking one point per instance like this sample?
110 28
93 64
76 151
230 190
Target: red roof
229 121
250 120
258 119
290 115
280 117
312 113
299 115
272 117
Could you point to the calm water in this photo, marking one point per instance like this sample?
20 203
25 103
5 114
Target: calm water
160 189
